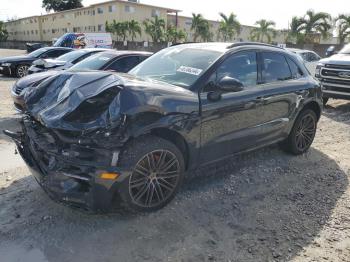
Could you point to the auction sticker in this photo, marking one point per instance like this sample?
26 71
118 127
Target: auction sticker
190 70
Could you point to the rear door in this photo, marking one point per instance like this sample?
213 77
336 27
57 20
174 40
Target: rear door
284 86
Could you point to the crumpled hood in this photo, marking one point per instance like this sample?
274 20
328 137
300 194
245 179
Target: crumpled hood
58 96
338 59
67 99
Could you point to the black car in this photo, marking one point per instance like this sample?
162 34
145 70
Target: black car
91 136
116 61
18 65
64 61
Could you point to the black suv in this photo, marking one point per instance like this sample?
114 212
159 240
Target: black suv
89 136
334 75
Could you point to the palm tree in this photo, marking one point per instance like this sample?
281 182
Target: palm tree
155 28
343 27
305 28
173 35
263 30
3 32
134 28
201 27
229 26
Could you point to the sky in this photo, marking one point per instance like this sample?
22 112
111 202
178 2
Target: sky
247 11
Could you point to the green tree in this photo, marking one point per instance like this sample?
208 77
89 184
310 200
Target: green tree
174 35
343 28
263 31
3 32
61 5
155 28
134 28
229 26
200 28
306 28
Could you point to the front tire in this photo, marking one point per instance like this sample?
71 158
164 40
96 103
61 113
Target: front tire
22 71
157 172
302 134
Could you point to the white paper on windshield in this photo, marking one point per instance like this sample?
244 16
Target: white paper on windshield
190 70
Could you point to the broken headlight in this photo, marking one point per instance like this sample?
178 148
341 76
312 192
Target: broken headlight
92 108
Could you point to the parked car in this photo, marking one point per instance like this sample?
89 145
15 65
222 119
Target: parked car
116 61
18 65
330 51
34 46
310 58
90 136
64 61
334 75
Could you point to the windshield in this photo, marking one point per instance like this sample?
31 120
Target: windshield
71 56
37 52
94 62
176 65
345 50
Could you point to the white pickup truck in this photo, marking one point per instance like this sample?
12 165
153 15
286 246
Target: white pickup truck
334 75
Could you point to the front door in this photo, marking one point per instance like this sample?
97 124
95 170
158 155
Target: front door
231 123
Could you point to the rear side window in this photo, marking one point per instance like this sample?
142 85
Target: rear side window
241 66
124 64
275 67
295 69
55 53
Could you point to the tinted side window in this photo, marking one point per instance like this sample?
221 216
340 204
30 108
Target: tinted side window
124 64
296 71
83 57
54 53
241 66
275 67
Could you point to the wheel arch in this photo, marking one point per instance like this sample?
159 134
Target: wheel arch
174 137
314 106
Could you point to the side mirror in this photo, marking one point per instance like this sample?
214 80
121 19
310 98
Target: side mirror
229 84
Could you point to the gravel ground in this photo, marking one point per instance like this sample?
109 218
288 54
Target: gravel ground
261 206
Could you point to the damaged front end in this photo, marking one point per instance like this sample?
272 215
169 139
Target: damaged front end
72 135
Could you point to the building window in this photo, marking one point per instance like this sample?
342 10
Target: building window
93 12
100 10
100 28
129 9
112 8
155 13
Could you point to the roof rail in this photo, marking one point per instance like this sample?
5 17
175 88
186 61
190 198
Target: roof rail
251 43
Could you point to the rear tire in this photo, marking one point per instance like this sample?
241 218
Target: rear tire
157 167
302 134
22 70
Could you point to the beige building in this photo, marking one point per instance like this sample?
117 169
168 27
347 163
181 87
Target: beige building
86 19
93 18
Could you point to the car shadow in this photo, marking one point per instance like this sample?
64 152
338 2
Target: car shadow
7 78
261 206
338 110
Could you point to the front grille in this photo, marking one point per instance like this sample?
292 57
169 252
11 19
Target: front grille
334 73
336 81
346 67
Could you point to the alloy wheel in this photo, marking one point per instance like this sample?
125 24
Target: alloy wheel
305 132
22 70
154 178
